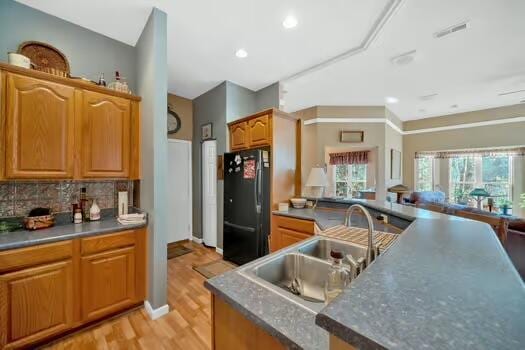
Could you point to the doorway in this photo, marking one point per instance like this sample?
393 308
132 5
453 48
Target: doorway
179 191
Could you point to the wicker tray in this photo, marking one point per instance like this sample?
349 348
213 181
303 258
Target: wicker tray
39 222
45 57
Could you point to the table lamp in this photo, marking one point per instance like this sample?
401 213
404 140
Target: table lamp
480 194
317 180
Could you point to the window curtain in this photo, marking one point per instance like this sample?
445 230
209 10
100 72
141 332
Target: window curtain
515 151
360 157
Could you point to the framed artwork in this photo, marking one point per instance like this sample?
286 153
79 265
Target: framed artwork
395 164
352 136
207 131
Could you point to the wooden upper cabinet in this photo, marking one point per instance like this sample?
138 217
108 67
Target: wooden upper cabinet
239 136
35 303
259 131
106 132
40 118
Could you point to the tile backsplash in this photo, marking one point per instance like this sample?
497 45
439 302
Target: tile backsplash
17 198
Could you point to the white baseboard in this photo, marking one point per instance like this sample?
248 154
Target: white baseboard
156 313
218 250
197 240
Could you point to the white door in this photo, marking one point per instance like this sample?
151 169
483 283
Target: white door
179 190
209 193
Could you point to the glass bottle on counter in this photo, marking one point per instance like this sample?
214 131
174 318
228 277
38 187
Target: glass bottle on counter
337 279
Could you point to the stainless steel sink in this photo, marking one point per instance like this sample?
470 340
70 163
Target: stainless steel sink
321 249
298 273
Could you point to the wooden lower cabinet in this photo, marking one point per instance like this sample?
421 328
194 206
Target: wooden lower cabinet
46 290
287 231
36 303
108 282
231 330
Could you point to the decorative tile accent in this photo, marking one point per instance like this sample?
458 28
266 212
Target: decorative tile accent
17 198
7 191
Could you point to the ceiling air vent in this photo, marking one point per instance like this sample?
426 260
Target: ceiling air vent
450 30
510 92
404 58
427 97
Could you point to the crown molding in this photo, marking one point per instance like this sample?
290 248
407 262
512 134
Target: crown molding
415 131
369 38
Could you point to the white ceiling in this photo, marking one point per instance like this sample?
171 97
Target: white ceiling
468 68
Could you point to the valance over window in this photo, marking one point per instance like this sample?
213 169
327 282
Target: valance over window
514 151
359 157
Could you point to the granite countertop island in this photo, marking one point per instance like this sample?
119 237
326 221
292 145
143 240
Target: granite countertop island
65 231
446 283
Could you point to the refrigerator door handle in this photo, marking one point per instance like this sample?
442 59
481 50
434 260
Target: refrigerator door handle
239 227
258 187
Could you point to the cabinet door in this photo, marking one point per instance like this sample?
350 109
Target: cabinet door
259 131
39 128
36 303
108 282
239 136
106 132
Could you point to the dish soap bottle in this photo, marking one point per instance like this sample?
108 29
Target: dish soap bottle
337 279
94 211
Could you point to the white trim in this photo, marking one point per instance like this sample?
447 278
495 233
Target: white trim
416 131
466 125
156 313
179 141
369 38
196 239
219 250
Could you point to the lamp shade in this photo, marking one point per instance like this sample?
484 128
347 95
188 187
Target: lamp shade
317 178
479 192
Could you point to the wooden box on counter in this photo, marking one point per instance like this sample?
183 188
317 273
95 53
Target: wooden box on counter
53 127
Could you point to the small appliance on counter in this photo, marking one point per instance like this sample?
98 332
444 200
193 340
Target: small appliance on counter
298 203
39 218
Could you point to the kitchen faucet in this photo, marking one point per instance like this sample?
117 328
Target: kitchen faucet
371 249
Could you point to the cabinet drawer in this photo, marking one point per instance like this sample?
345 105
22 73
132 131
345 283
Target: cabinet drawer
289 237
36 255
97 244
299 225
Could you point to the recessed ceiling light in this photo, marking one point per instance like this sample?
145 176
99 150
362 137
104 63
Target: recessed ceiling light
290 22
241 53
391 99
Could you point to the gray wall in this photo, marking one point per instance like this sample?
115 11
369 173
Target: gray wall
152 69
210 107
267 97
224 103
88 53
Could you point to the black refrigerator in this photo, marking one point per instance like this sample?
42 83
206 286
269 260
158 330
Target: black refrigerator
246 205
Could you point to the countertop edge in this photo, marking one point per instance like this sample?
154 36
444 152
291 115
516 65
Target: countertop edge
283 339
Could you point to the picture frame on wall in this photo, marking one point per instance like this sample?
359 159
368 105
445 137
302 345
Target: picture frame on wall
395 164
350 136
207 131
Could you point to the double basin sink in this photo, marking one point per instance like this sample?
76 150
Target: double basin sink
299 272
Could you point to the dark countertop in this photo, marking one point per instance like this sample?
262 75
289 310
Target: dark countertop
446 283
292 324
26 238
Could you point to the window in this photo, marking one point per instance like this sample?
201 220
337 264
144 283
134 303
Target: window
424 174
492 173
349 178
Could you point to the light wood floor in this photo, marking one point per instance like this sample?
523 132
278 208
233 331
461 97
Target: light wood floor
186 326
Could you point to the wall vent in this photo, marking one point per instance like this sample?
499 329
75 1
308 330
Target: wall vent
452 29
427 97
